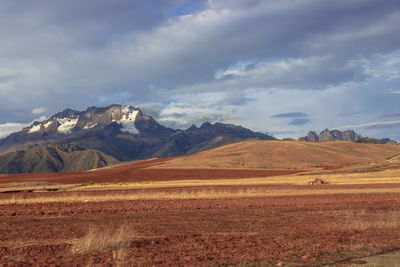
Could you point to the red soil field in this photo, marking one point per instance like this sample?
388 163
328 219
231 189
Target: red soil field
327 167
301 230
140 171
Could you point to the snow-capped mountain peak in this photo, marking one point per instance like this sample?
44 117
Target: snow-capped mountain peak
67 113
66 125
34 128
127 121
69 121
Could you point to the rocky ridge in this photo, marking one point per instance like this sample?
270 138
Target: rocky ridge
347 135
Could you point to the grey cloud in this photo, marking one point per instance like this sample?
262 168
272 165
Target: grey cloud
299 121
374 125
6 78
76 54
183 121
296 118
290 115
384 126
236 99
227 118
177 115
352 113
390 115
282 132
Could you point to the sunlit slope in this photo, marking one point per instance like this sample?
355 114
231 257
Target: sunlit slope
285 155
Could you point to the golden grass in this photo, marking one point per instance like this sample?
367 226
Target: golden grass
121 258
200 194
382 177
387 176
284 155
389 259
101 239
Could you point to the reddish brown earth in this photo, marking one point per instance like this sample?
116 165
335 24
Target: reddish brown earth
307 230
327 167
139 171
301 230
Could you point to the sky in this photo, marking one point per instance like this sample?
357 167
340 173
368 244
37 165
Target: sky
279 66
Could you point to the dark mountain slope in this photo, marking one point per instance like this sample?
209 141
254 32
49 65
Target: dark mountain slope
54 158
207 136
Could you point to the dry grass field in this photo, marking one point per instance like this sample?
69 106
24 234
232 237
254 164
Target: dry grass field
288 155
237 206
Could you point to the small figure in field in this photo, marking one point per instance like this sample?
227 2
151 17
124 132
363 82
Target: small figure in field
317 181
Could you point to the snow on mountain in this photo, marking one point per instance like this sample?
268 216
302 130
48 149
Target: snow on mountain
34 128
47 124
128 120
69 120
89 126
66 124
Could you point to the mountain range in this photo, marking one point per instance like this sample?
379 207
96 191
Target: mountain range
347 135
99 136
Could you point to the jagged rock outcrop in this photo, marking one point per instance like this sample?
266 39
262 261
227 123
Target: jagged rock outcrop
310 137
348 135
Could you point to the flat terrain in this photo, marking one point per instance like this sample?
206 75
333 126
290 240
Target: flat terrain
295 230
160 212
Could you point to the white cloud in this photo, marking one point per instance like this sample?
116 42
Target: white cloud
39 110
393 91
376 124
334 56
294 73
384 66
10 127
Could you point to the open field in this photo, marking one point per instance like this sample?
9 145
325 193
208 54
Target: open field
293 230
286 155
155 212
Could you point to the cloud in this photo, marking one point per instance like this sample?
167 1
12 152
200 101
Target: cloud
393 91
236 60
379 124
384 66
39 110
390 115
299 121
282 133
297 118
290 115
10 127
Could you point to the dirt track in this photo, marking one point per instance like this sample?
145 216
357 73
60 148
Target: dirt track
308 230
